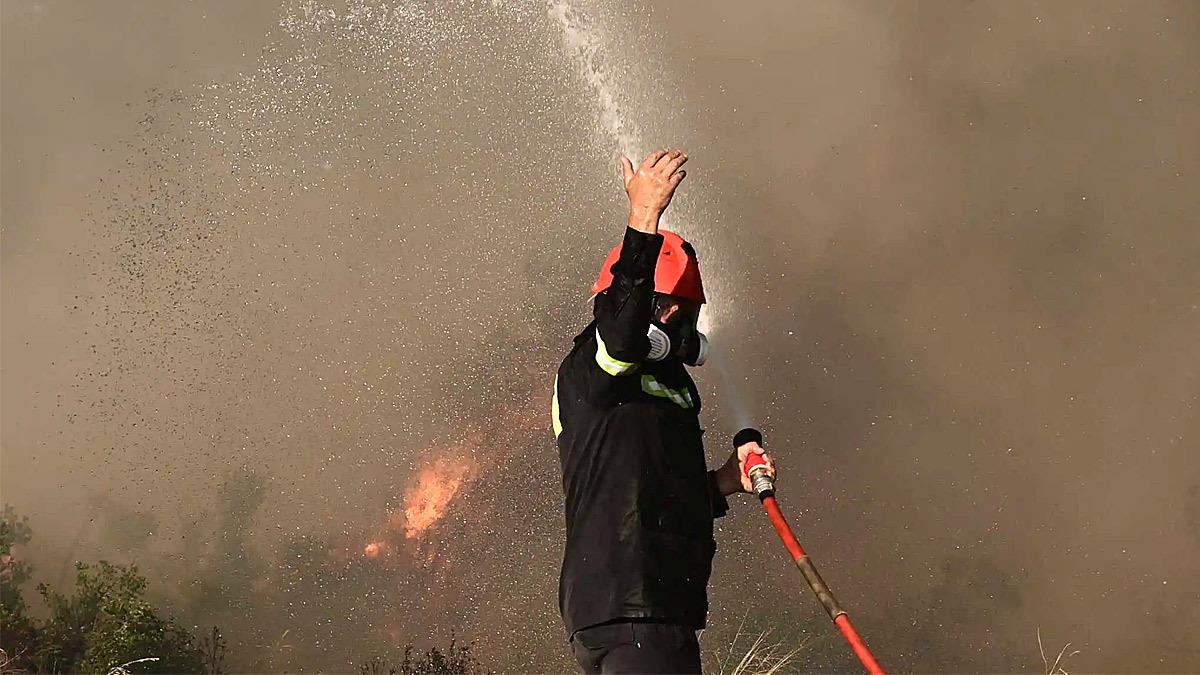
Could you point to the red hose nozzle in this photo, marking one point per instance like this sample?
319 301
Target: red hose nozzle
760 478
755 465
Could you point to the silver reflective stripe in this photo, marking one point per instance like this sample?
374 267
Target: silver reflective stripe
681 397
607 363
555 421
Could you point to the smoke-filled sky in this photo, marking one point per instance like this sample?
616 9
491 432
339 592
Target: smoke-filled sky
284 285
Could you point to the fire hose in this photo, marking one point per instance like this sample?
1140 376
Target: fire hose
764 488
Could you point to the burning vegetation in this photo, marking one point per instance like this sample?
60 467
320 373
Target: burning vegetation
435 486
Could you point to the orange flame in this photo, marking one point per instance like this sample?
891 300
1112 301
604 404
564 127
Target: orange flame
436 485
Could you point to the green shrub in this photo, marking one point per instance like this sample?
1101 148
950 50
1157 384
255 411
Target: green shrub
105 623
17 631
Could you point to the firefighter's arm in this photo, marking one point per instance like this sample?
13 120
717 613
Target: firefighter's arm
623 310
715 497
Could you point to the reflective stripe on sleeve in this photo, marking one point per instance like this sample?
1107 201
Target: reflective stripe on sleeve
681 397
607 363
555 421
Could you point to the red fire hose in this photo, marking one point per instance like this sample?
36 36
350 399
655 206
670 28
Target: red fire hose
764 488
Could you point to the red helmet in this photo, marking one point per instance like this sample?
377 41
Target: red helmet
676 273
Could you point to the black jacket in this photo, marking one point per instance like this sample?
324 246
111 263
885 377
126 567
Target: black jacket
639 501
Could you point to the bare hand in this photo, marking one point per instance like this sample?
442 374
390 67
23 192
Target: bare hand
651 187
731 478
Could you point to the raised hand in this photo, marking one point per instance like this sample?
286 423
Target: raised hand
651 186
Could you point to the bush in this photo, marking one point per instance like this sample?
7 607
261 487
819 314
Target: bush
457 660
16 630
105 623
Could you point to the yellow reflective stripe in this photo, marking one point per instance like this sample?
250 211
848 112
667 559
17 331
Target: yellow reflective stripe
682 398
607 363
554 419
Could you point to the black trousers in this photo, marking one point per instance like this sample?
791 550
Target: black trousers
637 647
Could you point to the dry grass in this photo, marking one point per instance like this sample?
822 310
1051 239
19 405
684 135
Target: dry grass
1060 661
6 663
120 670
762 657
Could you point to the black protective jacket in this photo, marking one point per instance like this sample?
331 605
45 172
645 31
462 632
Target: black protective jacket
639 501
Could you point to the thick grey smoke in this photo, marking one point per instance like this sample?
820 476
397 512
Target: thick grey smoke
265 267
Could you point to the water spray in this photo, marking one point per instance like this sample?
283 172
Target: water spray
764 488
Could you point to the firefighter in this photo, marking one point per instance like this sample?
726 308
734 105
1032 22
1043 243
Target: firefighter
640 503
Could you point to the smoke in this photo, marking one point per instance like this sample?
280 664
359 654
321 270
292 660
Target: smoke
254 287
970 291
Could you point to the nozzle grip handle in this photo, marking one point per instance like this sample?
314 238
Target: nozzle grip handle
747 435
